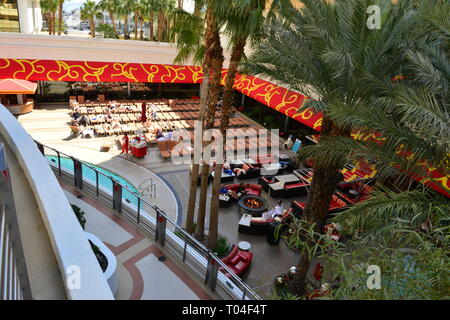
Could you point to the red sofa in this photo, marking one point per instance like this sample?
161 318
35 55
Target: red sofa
336 205
237 260
296 189
250 189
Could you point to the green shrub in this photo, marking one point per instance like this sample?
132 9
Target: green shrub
222 247
80 215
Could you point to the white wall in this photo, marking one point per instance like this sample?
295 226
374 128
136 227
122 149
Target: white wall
25 46
30 16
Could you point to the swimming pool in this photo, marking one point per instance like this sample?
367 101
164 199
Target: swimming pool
103 180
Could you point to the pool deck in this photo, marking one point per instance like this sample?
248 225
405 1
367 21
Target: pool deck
48 125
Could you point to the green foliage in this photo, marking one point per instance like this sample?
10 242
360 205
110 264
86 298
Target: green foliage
222 247
80 215
107 30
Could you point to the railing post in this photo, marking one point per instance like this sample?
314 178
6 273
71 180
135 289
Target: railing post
185 247
78 174
117 196
59 163
160 234
41 148
211 272
138 210
96 182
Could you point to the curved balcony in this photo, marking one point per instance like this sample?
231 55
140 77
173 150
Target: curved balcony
44 253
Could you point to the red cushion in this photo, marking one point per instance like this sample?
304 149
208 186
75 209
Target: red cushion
253 192
235 260
255 186
242 257
296 185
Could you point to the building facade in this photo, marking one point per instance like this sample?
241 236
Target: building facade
20 16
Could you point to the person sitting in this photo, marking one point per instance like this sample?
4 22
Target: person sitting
76 115
266 215
82 120
159 134
109 116
278 210
223 189
240 191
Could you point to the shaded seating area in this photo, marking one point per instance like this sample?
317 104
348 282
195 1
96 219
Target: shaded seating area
259 226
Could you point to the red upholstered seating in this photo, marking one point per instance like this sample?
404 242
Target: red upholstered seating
238 261
296 185
250 189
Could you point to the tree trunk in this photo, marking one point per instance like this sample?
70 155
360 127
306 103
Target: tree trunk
215 80
323 185
141 32
136 19
151 22
196 165
228 95
160 25
180 4
200 226
92 23
113 21
197 8
53 19
125 28
60 18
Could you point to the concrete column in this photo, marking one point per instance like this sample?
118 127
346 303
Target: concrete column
129 89
20 99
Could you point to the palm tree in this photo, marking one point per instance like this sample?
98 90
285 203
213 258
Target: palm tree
138 14
60 15
111 7
164 8
90 11
49 8
412 117
124 10
202 46
150 9
325 50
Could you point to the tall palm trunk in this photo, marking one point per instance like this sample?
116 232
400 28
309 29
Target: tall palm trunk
211 63
60 14
92 25
136 20
323 185
196 165
53 22
228 95
141 31
180 4
160 25
113 21
215 79
125 27
151 22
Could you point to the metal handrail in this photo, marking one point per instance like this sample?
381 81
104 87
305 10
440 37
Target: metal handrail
214 262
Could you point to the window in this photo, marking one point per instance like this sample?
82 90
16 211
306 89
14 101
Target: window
9 16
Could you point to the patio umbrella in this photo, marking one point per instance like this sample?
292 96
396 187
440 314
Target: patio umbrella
144 113
16 86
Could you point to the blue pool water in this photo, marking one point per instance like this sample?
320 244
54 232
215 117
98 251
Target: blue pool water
103 181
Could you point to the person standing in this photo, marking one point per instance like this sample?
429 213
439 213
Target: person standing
125 144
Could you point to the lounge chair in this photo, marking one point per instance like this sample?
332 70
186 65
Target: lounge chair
162 148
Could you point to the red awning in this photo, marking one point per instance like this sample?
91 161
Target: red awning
16 86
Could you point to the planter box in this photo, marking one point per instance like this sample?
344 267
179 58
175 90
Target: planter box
111 271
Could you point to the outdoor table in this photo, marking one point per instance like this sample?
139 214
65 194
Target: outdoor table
225 177
244 246
287 179
245 220
271 169
276 189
